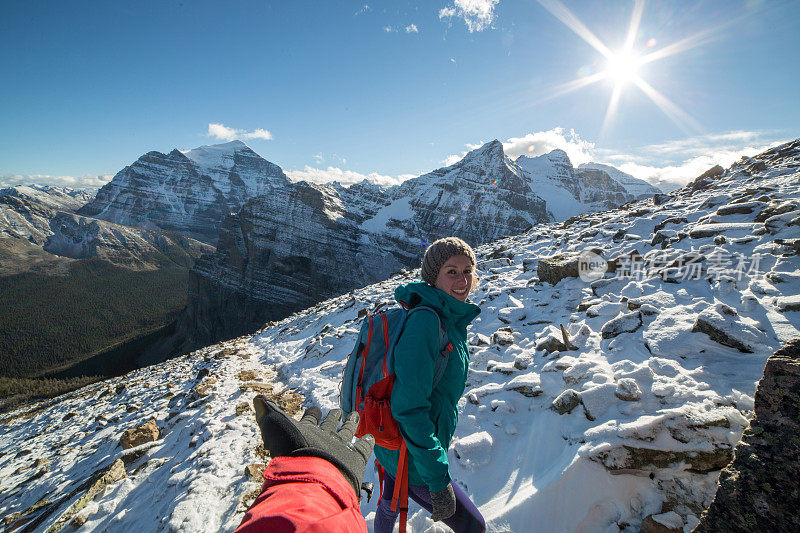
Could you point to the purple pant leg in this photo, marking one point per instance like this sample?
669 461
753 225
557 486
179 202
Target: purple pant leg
467 518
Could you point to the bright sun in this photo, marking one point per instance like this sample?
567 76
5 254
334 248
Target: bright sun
623 67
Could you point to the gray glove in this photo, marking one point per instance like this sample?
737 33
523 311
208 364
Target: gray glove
444 504
309 438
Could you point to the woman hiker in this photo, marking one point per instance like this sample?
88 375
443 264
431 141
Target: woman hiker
427 415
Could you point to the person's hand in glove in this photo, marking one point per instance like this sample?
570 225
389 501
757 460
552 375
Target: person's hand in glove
283 436
444 504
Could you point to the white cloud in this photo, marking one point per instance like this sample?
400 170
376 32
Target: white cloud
412 28
542 142
675 163
87 181
667 165
345 177
477 14
364 9
388 29
226 133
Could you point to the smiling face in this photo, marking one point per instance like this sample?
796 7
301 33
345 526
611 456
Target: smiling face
456 277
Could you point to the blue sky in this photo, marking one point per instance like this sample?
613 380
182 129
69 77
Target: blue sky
391 89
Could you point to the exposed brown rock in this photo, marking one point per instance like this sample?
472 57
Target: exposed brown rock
255 471
247 375
554 269
759 490
133 437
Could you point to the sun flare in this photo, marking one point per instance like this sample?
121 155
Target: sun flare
623 67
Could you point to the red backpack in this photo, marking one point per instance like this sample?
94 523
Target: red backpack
367 383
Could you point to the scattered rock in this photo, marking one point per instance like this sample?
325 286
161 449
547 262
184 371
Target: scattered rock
79 520
709 230
203 373
479 340
628 459
660 199
503 337
258 387
527 384
554 269
204 388
722 325
255 472
243 408
474 451
788 303
627 323
670 522
758 490
777 209
566 402
628 390
740 209
134 437
247 375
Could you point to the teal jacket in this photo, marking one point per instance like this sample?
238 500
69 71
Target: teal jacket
428 416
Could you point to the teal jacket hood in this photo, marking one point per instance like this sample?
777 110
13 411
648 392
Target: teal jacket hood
456 312
427 416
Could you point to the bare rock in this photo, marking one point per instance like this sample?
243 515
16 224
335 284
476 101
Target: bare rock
660 199
258 387
204 388
255 471
627 323
627 459
134 437
670 522
722 324
503 337
566 402
758 490
528 385
247 375
554 269
243 408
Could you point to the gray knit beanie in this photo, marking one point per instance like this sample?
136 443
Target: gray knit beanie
439 252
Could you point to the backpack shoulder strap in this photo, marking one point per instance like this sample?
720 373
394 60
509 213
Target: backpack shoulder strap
444 345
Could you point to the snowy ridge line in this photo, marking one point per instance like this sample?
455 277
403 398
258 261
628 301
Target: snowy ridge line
631 414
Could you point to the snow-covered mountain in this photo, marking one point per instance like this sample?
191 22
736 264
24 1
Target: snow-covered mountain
303 242
571 191
36 219
628 419
190 192
638 188
25 210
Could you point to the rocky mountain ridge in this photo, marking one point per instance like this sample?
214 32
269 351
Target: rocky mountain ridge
188 192
607 404
304 242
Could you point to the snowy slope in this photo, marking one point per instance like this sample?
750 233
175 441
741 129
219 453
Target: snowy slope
655 406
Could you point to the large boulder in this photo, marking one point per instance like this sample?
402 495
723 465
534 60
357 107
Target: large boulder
758 491
147 432
553 269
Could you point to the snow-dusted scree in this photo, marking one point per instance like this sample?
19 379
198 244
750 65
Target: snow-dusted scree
628 410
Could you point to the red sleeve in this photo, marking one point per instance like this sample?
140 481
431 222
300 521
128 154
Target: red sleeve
303 495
